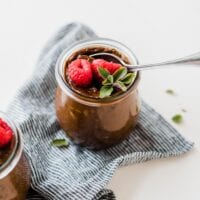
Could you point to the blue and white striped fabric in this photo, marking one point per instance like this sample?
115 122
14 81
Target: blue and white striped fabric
76 173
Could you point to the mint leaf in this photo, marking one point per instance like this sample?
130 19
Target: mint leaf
120 85
128 78
103 72
106 91
106 82
110 78
120 73
120 79
170 91
177 118
60 143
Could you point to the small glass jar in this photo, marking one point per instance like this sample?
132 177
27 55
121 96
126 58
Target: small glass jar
15 171
92 122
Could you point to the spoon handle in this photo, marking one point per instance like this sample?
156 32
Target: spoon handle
193 59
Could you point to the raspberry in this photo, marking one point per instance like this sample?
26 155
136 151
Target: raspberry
80 72
6 134
110 66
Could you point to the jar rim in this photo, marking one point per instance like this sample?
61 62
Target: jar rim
12 160
60 65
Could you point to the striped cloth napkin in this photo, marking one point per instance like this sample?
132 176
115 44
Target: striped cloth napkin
76 173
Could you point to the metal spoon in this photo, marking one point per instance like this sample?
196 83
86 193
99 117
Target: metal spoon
193 59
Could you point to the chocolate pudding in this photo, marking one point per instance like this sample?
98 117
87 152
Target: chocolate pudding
6 152
93 90
87 119
14 169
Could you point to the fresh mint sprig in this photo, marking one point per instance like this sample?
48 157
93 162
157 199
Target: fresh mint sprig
121 79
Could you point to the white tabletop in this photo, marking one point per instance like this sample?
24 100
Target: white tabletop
155 30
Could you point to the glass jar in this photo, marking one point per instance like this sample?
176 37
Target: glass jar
15 171
93 122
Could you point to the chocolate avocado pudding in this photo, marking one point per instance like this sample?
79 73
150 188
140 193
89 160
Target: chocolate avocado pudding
97 102
14 169
93 90
6 152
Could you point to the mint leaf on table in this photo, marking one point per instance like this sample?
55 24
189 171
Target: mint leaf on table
178 118
170 91
60 143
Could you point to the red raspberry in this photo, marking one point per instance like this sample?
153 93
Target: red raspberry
6 134
80 72
110 66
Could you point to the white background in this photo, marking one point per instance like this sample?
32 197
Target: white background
155 30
